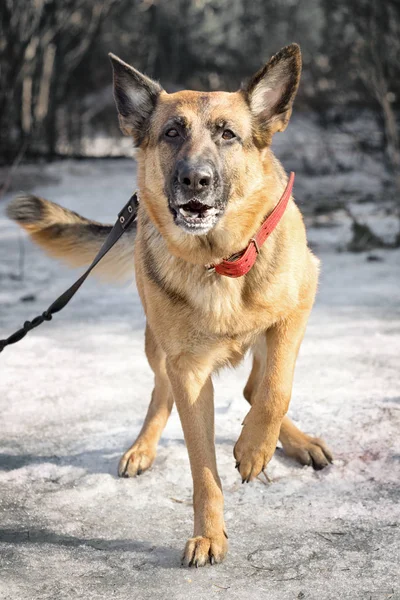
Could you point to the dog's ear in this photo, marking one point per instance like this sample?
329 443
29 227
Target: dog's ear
135 96
271 91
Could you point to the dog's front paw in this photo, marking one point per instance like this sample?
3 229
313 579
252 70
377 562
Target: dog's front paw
137 459
255 446
202 550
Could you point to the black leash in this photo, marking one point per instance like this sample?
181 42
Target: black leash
125 218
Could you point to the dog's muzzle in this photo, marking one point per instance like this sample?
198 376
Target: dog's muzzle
194 198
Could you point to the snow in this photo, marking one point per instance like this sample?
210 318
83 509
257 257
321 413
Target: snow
73 395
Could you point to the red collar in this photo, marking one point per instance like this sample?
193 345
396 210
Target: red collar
236 267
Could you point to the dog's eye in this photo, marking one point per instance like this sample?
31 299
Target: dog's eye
172 133
228 135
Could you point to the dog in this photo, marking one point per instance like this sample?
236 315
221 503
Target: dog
207 180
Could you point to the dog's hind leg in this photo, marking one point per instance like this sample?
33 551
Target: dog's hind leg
140 456
305 449
257 370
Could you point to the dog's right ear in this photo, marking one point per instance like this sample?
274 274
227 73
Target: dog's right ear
135 96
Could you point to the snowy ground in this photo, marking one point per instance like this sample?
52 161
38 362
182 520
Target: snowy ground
72 398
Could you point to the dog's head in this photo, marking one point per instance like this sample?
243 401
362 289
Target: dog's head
202 155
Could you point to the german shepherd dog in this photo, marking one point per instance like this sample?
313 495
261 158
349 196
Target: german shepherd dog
207 179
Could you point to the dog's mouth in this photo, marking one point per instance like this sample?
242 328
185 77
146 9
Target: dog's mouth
195 217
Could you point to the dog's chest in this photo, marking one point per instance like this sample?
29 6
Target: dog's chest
224 307
210 308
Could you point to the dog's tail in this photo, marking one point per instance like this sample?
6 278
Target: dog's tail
71 238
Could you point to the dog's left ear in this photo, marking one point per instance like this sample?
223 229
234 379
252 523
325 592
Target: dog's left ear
136 96
271 91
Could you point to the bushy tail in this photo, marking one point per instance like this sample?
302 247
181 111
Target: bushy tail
71 238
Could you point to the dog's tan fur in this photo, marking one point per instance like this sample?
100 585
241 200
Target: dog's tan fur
197 323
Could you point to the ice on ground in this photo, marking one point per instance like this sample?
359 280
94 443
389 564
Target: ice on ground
73 395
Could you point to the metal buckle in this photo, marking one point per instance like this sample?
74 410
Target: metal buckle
210 269
257 247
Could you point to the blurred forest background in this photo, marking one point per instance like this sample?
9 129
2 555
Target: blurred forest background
56 95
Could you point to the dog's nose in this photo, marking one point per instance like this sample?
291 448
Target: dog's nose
196 178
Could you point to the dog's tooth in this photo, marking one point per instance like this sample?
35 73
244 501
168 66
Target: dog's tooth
200 215
210 212
186 213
